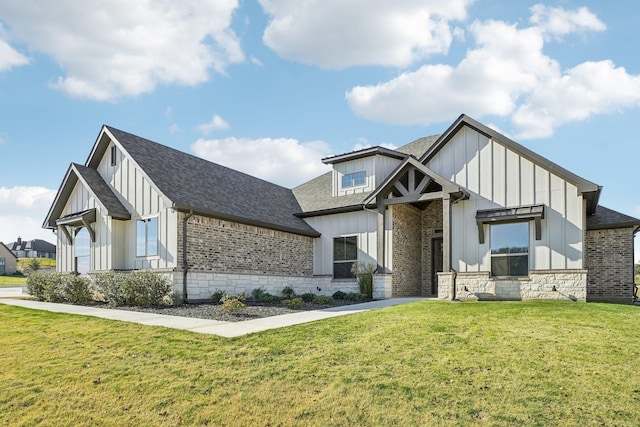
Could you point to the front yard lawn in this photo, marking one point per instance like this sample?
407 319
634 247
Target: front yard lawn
425 363
11 281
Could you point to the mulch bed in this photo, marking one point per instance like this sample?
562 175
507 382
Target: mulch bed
255 310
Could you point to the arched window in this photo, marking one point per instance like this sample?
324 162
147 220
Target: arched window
82 250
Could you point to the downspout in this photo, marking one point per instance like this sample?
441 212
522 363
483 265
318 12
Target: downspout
185 262
455 273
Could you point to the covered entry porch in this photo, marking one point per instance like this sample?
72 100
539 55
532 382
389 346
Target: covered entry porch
417 260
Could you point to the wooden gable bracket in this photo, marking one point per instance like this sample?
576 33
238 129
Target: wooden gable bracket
522 213
84 219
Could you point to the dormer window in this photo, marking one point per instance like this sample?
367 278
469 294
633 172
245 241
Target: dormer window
354 179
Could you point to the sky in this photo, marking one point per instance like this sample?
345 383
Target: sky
270 87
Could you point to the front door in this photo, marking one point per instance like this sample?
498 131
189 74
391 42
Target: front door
436 263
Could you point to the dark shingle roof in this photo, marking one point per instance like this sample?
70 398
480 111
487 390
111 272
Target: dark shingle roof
103 192
205 187
316 195
608 218
37 245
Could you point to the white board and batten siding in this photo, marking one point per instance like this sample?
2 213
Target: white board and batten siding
362 224
115 243
142 200
496 176
376 169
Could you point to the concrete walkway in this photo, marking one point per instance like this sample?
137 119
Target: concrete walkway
206 326
12 292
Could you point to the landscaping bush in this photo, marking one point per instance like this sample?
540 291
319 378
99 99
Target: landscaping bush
59 287
338 295
308 297
217 296
138 288
233 304
323 299
293 304
354 296
288 292
364 273
260 295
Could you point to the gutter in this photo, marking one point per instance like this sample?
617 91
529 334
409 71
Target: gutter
185 262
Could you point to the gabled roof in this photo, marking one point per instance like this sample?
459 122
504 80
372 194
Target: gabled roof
590 191
12 254
195 184
100 190
365 152
608 218
316 196
410 161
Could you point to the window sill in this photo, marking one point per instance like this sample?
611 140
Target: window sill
510 278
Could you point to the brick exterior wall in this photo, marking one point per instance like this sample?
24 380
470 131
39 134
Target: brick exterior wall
215 245
407 251
609 261
431 221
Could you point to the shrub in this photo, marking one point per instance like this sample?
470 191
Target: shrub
233 304
59 287
259 294
364 273
217 296
34 264
139 288
308 297
354 296
323 299
288 292
338 295
293 304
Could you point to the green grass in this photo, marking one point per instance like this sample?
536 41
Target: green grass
426 363
9 281
23 263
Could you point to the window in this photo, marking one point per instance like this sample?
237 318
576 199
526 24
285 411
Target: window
354 179
82 250
345 253
147 237
510 249
113 155
1 260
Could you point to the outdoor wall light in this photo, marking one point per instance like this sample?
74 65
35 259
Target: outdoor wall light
554 288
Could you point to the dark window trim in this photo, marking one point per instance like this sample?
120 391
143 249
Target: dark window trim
352 179
342 240
512 254
517 214
113 155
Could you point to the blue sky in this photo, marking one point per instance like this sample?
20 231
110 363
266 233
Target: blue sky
272 86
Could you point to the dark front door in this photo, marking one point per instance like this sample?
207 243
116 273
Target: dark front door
436 263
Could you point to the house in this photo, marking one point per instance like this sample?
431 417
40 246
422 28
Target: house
469 214
8 261
35 248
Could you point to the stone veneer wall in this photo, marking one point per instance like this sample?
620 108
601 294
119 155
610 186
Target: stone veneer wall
215 245
609 261
431 221
569 285
407 251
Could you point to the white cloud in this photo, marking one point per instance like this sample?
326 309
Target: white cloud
9 57
216 123
121 48
366 144
506 75
174 128
343 33
22 212
556 21
283 161
585 90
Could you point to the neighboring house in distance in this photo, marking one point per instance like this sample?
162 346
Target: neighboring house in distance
35 248
8 261
466 214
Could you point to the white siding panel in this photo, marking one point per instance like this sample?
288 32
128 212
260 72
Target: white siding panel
527 181
513 179
498 174
361 224
472 157
556 223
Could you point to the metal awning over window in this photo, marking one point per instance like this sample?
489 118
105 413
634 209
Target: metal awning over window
78 219
521 213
